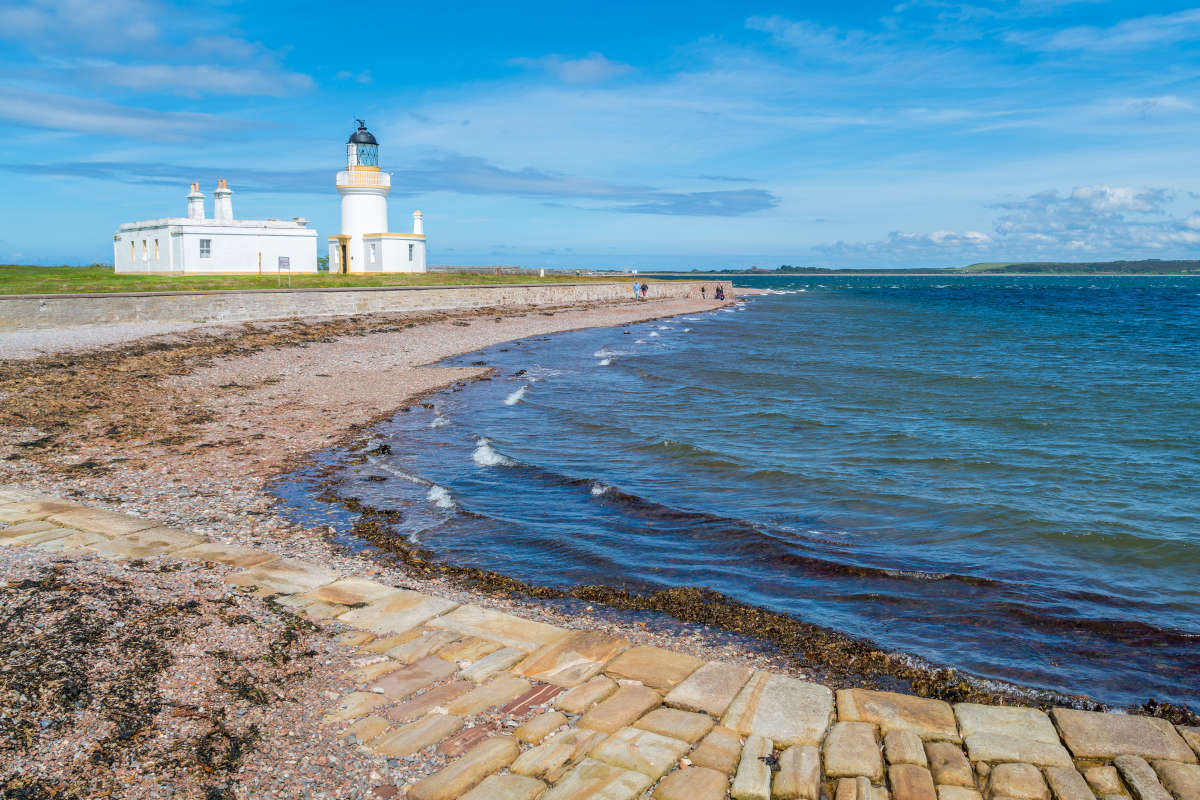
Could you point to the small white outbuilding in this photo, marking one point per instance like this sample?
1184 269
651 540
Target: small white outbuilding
197 245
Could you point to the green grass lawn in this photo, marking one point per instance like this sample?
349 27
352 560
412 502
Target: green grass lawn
16 279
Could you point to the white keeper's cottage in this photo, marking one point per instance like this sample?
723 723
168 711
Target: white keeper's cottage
364 245
196 244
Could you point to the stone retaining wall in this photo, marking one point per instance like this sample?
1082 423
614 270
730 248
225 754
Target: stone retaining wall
63 310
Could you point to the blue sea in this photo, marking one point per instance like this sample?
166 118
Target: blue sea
999 474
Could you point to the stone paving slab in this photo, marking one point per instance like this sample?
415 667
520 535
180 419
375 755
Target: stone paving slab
1067 784
1140 778
401 683
492 664
467 772
573 659
30 526
419 705
905 747
541 726
99 520
506 787
622 708
523 634
73 540
676 723
646 752
354 705
785 710
428 643
416 736
692 783
351 592
1183 780
720 750
949 764
653 666
553 757
1018 782
1104 780
40 509
36 537
1018 723
711 688
1191 736
470 649
929 719
283 576
397 613
998 747
753 778
595 780
799 775
910 782
581 698
230 554
146 543
497 693
1091 734
852 749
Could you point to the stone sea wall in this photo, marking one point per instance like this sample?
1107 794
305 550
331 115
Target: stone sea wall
63 310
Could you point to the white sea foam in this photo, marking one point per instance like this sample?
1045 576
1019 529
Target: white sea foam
486 456
608 352
639 341
399 473
599 489
687 330
604 362
516 396
439 421
654 333
440 496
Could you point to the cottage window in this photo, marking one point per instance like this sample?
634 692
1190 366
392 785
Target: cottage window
410 252
372 252
156 249
206 248
132 251
143 249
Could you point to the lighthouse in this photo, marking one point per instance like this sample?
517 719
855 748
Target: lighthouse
365 245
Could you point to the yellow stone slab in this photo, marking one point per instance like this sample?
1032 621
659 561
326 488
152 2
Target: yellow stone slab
147 543
510 631
74 540
353 706
369 673
397 612
786 710
573 659
654 666
36 537
283 576
20 529
490 755
595 780
352 591
469 649
416 736
40 509
500 691
99 520
929 719
231 554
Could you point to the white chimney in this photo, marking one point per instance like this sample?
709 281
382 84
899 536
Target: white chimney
195 201
223 202
418 224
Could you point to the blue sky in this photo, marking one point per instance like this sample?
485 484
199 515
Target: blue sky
619 134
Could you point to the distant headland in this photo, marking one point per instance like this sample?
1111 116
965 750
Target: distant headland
1149 266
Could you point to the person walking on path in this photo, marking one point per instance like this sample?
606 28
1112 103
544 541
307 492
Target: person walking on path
645 288
703 289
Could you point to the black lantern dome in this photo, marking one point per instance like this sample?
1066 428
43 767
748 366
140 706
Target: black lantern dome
364 146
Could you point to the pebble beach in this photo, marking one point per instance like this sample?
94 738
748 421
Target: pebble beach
266 690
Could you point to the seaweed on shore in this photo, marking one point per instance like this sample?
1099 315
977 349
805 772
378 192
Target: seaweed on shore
838 659
88 656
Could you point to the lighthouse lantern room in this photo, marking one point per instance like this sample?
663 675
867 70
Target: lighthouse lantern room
365 245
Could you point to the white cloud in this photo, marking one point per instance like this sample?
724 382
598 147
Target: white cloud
108 25
360 77
196 79
1129 35
74 114
1098 222
593 68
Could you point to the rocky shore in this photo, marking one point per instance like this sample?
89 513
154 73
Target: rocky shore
188 427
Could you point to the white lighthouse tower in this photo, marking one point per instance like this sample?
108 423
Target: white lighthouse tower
365 245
